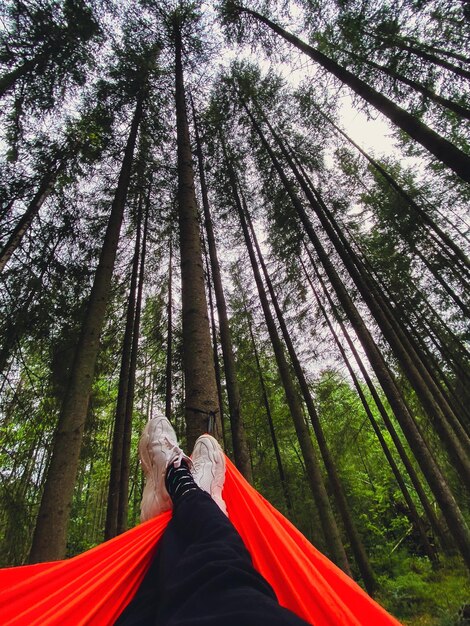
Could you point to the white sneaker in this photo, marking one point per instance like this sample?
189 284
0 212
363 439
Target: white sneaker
158 449
209 468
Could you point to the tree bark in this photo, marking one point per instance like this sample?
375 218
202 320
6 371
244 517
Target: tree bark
445 421
120 415
414 364
427 56
215 345
272 432
413 513
44 191
449 390
201 402
415 338
330 529
444 284
50 534
441 148
335 483
456 108
240 444
415 480
432 472
169 339
405 195
122 518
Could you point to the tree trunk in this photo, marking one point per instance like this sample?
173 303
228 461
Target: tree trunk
120 416
444 284
123 508
405 195
169 339
415 480
201 402
267 408
425 91
330 529
215 345
427 320
427 56
445 422
413 513
240 444
442 149
461 409
44 191
340 498
409 328
432 472
399 318
50 535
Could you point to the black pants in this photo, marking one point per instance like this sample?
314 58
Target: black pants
202 575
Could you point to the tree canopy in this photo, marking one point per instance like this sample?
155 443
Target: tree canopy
192 225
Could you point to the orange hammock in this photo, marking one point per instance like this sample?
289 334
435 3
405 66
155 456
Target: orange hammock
94 587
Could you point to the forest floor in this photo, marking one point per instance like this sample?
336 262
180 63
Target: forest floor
421 596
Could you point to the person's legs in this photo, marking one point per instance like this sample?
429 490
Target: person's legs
158 451
142 609
214 582
202 573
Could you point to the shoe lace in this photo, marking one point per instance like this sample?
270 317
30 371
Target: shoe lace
177 453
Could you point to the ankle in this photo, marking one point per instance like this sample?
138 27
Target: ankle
179 481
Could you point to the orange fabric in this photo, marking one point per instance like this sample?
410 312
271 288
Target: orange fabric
94 587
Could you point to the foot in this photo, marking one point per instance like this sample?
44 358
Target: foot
158 449
209 468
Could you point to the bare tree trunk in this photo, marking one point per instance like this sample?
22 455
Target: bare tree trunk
123 508
50 535
427 56
444 284
444 339
416 482
413 513
432 472
267 407
201 402
240 444
445 422
415 339
120 415
425 91
44 191
215 345
449 243
338 493
169 339
329 526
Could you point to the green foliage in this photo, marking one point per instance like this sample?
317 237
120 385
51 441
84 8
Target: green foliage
46 45
412 588
72 72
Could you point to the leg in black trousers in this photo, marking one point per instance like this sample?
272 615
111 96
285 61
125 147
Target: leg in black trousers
202 575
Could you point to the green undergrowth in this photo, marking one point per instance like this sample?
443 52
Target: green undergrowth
418 595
